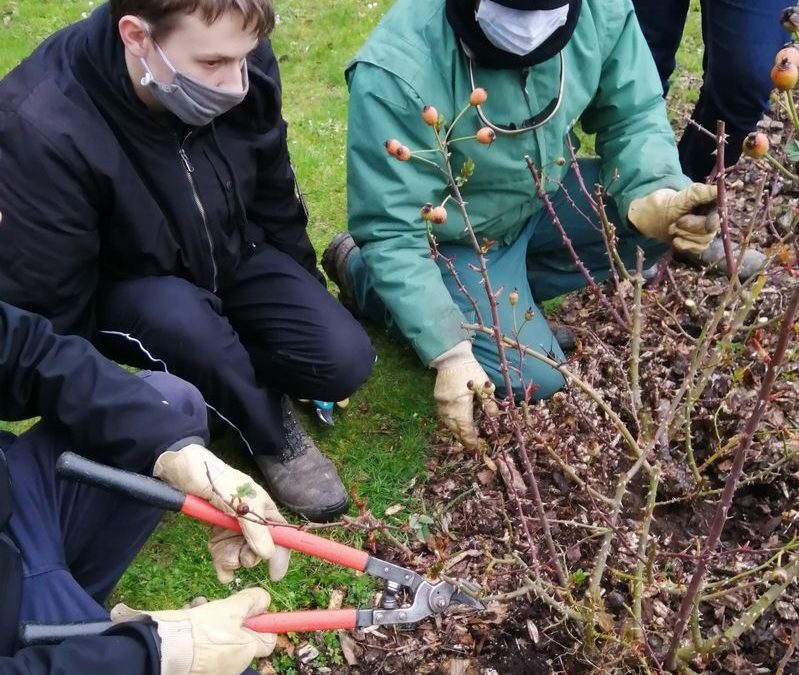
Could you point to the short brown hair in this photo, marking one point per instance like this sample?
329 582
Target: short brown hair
163 15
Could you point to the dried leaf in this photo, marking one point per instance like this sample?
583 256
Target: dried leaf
307 653
457 666
393 510
786 610
348 648
284 645
336 598
485 477
511 475
532 631
574 553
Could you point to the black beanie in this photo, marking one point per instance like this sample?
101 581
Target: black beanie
460 14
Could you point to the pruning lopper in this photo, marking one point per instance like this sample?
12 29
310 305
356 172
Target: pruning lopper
427 598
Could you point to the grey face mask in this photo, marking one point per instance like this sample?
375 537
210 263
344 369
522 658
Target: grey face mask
194 103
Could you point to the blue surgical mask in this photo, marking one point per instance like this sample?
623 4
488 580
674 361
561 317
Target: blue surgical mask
191 101
518 31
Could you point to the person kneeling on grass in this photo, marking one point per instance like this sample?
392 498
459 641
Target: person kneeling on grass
154 210
64 545
545 64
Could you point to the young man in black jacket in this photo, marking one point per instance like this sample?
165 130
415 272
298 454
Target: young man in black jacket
153 209
63 545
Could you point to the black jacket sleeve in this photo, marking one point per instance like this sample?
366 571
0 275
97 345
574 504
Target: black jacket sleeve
49 238
278 206
109 413
124 650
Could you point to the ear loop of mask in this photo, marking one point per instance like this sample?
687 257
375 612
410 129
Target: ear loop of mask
148 76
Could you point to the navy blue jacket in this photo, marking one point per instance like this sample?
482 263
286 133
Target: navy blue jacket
110 415
95 187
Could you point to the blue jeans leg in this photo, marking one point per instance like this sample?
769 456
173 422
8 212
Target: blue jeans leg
741 38
506 270
662 22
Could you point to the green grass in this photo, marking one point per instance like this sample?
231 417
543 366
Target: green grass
687 78
379 442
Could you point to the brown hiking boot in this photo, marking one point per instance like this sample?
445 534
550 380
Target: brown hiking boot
334 263
301 478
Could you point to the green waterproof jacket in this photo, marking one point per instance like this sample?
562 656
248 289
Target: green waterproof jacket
412 59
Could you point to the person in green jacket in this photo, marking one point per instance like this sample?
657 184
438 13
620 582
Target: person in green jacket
545 64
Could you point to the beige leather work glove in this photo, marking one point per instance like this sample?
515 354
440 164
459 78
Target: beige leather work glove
688 219
209 639
197 471
457 367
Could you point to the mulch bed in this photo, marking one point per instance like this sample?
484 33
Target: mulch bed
475 526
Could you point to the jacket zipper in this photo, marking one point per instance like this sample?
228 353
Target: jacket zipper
190 177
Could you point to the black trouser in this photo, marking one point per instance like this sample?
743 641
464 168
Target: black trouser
272 329
76 540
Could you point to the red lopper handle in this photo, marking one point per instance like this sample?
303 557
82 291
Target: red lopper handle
152 491
198 508
303 622
290 537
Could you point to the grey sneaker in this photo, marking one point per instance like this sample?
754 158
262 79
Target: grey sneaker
713 257
302 479
334 263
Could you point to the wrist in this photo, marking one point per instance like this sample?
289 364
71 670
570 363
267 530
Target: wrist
171 631
177 646
458 355
185 443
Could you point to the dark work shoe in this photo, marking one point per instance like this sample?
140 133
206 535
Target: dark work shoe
563 336
301 478
334 263
713 257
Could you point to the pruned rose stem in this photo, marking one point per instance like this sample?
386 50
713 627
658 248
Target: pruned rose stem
748 617
721 187
493 425
591 282
609 232
784 172
792 110
726 499
575 166
513 414
450 265
635 342
643 542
